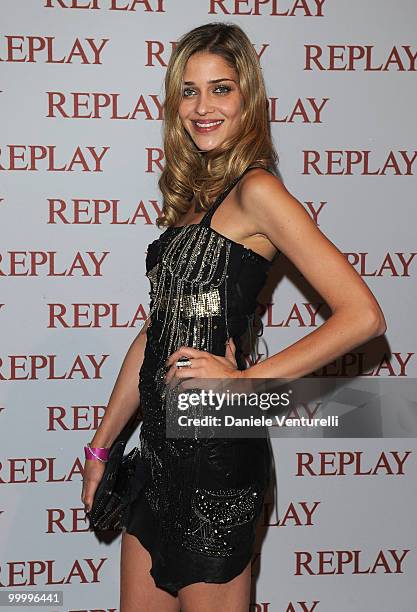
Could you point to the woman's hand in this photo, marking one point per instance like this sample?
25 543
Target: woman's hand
203 364
93 473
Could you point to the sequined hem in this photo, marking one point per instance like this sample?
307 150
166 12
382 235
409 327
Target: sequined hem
173 571
215 514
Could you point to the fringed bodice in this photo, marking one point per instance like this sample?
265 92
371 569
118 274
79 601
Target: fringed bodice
203 287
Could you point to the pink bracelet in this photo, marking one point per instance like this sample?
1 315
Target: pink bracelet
96 454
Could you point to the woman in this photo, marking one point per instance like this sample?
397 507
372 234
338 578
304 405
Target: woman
227 216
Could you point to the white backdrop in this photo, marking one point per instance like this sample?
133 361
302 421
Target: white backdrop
80 155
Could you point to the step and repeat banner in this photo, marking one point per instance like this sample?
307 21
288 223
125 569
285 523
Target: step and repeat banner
81 91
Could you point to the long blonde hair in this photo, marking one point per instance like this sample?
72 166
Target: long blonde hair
188 172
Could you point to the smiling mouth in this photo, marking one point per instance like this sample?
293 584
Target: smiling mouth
205 123
202 126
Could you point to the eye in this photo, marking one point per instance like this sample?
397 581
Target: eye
225 89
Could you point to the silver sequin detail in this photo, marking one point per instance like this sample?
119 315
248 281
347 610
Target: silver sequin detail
214 514
202 305
186 287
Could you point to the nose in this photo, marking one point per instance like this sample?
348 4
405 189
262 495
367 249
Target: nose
203 105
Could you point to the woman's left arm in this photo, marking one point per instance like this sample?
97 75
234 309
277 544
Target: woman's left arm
356 315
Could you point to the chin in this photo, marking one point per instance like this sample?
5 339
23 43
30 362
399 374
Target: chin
204 147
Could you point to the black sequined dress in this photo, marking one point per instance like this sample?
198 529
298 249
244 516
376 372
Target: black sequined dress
197 516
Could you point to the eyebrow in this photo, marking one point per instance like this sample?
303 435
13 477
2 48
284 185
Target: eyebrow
211 81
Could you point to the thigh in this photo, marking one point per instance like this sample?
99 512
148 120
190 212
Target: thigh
138 592
233 596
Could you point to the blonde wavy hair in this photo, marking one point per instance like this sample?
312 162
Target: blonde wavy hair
187 171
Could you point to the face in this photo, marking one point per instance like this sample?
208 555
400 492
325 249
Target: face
211 103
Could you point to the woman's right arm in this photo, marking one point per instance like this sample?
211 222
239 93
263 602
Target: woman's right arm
124 401
125 398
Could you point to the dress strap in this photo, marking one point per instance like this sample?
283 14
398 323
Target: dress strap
206 220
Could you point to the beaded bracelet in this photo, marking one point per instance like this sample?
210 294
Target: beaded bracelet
96 453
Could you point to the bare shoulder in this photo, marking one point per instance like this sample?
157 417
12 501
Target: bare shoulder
263 198
274 212
257 180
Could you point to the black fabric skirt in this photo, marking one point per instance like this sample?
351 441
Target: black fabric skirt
198 517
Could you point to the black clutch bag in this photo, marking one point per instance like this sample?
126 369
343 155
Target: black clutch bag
123 480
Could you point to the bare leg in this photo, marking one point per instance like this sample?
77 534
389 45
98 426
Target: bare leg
138 592
233 596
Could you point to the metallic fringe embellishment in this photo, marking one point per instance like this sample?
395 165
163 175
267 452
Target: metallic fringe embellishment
185 286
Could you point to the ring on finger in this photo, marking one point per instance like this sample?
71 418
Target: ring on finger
184 362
